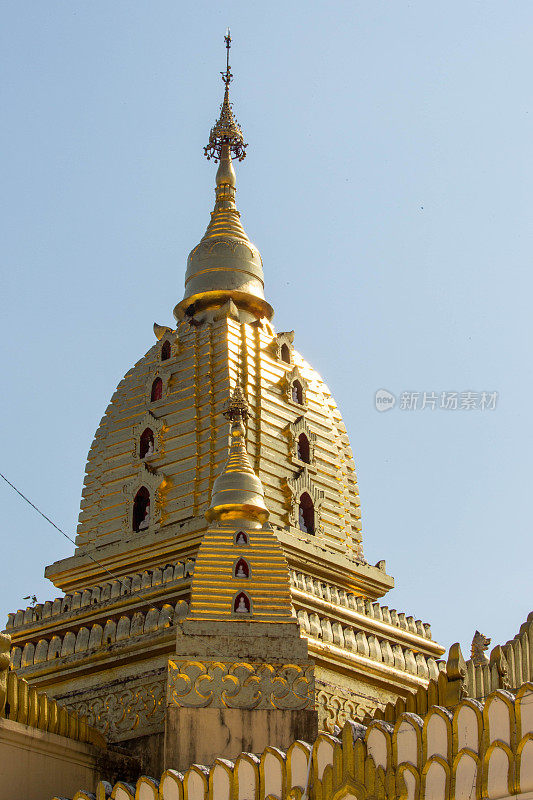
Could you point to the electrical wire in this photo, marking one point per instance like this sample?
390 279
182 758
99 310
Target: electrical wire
52 523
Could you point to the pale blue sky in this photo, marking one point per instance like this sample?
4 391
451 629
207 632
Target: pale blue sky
389 188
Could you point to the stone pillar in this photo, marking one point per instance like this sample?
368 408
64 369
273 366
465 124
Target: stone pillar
237 686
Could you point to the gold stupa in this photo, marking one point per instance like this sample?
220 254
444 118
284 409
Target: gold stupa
159 465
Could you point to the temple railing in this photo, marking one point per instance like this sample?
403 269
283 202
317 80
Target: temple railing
22 703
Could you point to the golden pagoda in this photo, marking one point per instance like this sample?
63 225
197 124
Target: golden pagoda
159 508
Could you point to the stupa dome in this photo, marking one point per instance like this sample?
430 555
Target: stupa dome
295 438
153 469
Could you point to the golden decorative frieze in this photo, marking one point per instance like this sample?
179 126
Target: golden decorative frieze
86 641
197 684
135 708
85 601
336 706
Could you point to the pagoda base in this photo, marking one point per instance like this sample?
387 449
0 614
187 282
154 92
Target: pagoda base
200 735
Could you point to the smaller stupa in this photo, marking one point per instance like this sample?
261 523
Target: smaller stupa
241 669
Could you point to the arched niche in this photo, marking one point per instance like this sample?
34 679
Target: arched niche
242 604
241 538
306 514
297 392
304 502
303 448
141 510
295 387
241 568
157 390
166 350
283 347
156 485
285 353
301 443
157 384
146 443
139 436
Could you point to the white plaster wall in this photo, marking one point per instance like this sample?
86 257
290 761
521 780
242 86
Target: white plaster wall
36 765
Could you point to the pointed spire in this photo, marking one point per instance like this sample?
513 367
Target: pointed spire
237 492
225 264
226 130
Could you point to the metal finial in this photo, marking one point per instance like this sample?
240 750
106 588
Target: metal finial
227 75
226 133
237 407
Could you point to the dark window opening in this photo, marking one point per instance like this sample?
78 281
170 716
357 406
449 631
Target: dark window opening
303 449
241 569
146 443
285 353
141 510
297 393
241 538
157 390
165 351
241 604
306 514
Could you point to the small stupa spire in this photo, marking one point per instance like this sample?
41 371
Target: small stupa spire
225 264
238 493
